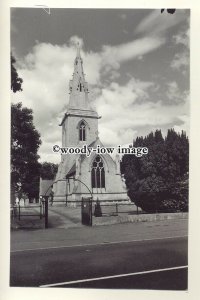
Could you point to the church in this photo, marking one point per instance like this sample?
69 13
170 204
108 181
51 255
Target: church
96 176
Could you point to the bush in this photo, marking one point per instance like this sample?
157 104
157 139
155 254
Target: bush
97 209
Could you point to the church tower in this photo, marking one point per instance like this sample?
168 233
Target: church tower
99 173
80 116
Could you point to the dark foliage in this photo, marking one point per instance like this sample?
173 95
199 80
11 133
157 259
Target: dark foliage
169 10
48 170
158 181
16 82
97 209
25 141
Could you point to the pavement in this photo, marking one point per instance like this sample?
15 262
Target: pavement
64 217
61 237
144 255
59 217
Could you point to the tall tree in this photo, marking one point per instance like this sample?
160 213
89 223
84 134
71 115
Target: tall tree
25 141
158 181
16 85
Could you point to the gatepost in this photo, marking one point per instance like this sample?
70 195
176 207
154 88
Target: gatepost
46 202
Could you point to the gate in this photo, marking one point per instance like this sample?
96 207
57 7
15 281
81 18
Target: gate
86 211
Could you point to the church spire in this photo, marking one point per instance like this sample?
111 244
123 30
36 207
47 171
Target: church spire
78 75
78 87
79 104
78 50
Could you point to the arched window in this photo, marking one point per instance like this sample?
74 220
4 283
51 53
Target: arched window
98 173
82 135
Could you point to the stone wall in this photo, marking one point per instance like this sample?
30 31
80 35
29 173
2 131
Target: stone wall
137 218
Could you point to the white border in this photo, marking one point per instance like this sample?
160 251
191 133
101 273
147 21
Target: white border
194 237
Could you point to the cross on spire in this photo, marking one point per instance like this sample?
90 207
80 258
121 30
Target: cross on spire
78 50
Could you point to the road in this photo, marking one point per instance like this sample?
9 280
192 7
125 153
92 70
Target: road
58 237
157 263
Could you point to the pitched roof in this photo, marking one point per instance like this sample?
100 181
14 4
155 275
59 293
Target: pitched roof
45 187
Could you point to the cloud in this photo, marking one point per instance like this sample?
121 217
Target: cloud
46 72
184 124
114 55
182 38
76 40
124 114
181 59
123 16
156 23
48 68
174 94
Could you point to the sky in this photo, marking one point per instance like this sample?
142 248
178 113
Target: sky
136 63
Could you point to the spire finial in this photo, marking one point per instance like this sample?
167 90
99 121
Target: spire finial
78 54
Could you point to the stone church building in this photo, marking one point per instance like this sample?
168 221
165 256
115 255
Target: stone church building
96 175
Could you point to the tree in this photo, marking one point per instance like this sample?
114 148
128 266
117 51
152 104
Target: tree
25 141
48 170
169 10
159 181
97 209
16 82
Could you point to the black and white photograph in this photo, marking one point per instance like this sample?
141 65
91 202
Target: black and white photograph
99 148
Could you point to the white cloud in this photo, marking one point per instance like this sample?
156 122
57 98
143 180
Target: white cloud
183 38
123 112
156 23
76 41
114 55
181 59
185 126
174 94
48 154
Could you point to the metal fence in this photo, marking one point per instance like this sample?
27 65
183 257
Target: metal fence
97 209
18 211
119 208
114 208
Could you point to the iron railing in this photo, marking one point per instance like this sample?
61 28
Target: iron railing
18 211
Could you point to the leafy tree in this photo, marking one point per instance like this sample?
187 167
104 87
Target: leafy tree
16 82
25 141
169 10
158 181
48 170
